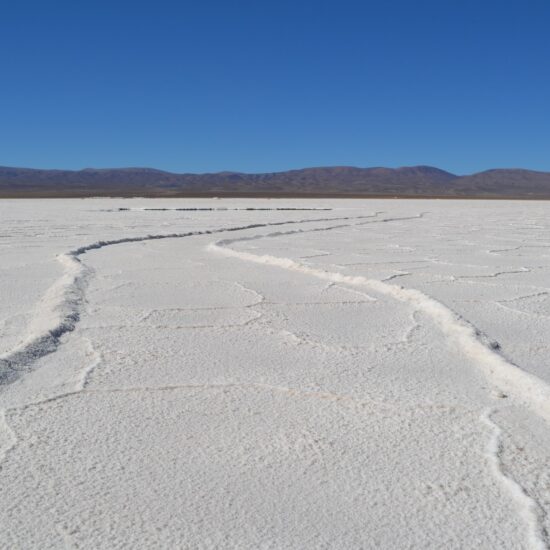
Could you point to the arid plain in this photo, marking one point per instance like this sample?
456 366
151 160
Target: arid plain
201 373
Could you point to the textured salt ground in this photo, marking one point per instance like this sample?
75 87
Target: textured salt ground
499 296
250 467
307 414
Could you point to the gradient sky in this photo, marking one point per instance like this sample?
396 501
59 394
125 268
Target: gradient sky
273 85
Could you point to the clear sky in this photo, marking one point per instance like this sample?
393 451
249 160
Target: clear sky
195 86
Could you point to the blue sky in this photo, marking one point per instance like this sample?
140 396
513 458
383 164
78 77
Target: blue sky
266 86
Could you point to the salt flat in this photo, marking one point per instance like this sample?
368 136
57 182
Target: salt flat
274 374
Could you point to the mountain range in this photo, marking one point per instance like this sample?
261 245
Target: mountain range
410 181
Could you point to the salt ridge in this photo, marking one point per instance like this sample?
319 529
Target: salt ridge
524 387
